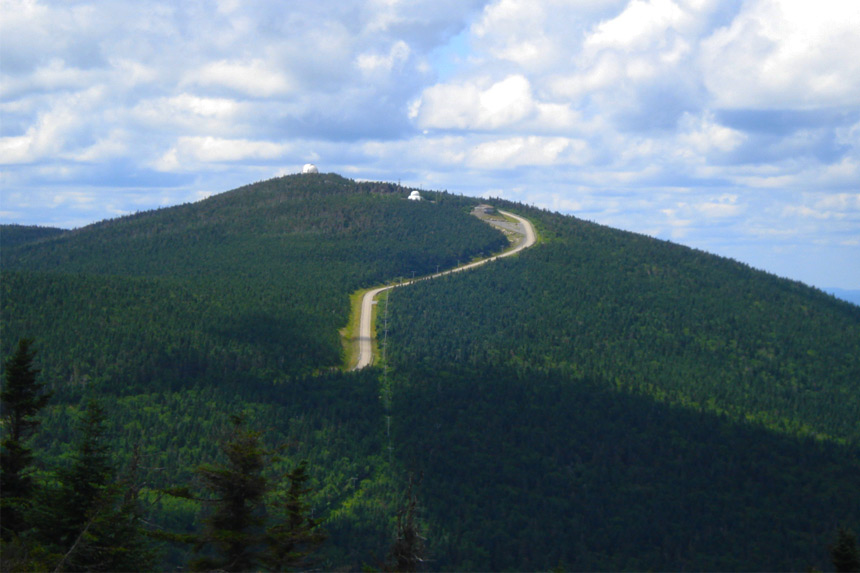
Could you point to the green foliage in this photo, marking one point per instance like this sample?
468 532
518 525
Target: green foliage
647 316
243 529
291 542
844 553
530 470
602 401
80 518
608 401
14 235
23 397
408 552
84 481
245 286
179 316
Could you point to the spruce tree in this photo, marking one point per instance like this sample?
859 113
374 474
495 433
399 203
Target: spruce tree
245 528
408 552
96 523
845 553
22 399
291 541
234 526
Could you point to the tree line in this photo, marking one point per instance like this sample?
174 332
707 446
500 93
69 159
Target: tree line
85 516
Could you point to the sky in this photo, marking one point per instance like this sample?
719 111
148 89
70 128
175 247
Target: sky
732 126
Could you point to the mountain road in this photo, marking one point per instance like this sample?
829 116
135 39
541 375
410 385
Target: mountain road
522 227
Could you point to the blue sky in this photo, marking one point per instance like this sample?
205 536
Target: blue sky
732 126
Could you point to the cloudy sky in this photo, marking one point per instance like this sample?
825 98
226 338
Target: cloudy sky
729 125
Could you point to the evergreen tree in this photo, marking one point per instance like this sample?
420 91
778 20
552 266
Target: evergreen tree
408 552
22 399
845 553
96 523
237 488
243 529
292 541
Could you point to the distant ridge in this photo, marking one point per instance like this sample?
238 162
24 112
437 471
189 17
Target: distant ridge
852 296
603 401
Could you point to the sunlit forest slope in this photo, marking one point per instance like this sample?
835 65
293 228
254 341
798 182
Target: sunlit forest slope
600 401
180 317
608 401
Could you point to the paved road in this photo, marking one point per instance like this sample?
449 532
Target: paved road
365 342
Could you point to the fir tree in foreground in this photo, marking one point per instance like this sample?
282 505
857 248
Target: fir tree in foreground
408 552
247 527
844 553
78 518
22 399
96 517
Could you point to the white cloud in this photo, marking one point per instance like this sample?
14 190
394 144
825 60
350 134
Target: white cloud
788 53
114 145
700 119
703 135
477 105
254 78
371 63
514 30
639 26
517 151
193 150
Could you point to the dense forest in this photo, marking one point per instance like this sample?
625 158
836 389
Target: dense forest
178 318
601 401
607 401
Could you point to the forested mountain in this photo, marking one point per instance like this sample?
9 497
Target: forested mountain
607 401
601 401
14 235
180 317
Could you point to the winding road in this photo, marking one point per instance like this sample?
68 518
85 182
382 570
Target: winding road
365 340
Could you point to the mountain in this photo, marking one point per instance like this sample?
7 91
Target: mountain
601 401
14 235
845 294
607 401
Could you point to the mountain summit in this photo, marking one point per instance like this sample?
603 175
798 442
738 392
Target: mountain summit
601 401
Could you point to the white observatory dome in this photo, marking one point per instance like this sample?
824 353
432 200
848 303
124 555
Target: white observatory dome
414 196
309 168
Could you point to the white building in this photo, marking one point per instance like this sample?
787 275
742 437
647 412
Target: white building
309 168
414 196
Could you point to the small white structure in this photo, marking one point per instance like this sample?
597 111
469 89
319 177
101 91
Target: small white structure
414 196
309 168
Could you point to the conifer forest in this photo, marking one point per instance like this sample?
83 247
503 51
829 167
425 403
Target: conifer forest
176 395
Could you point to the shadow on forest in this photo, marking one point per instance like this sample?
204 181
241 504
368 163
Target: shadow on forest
536 470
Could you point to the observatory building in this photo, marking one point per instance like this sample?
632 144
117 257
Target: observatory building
309 168
414 196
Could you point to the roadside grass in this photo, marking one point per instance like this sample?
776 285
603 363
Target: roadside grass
349 334
381 301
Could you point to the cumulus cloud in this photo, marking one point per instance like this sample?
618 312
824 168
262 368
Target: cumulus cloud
785 54
722 123
468 106
191 151
252 78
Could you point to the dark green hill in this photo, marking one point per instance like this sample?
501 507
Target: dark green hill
650 317
258 278
607 401
602 401
180 317
14 235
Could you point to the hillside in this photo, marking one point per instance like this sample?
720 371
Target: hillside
258 278
610 401
14 235
180 317
601 401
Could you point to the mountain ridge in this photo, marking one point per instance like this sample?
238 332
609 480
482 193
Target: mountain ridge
183 316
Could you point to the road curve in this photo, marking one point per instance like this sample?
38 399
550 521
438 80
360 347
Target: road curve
365 340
